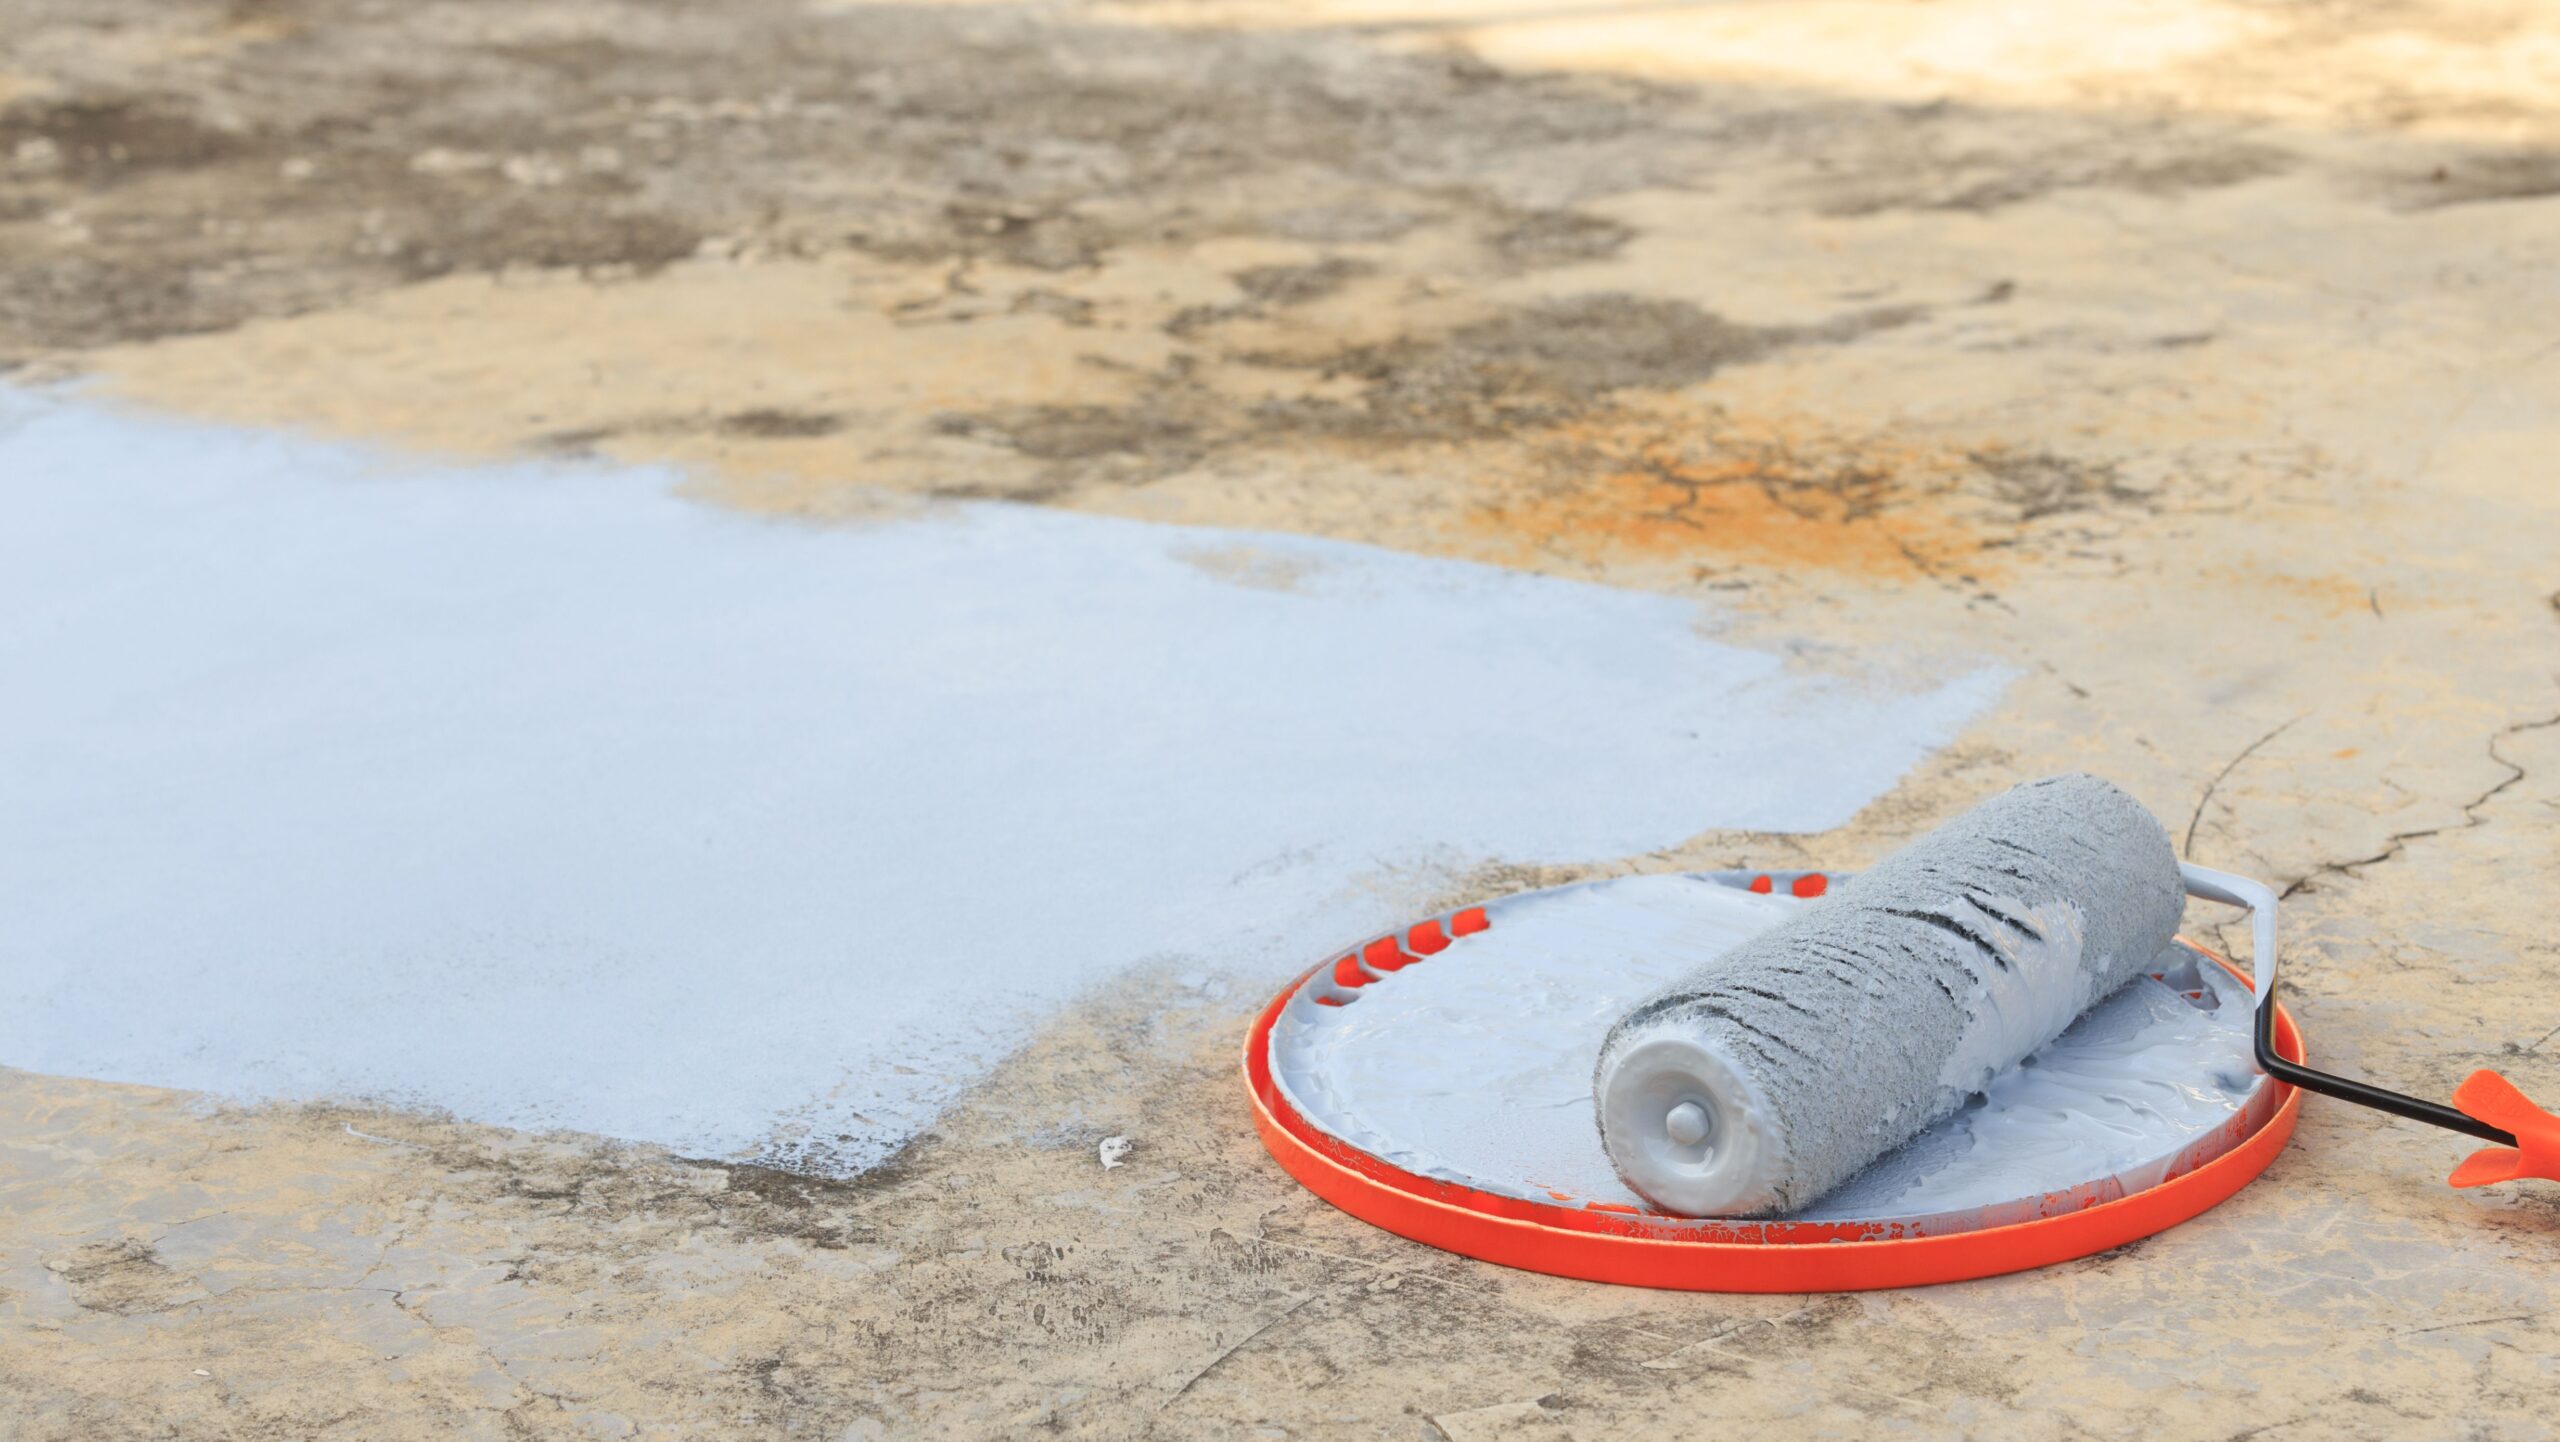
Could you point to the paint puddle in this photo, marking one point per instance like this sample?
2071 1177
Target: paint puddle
1475 1066
546 797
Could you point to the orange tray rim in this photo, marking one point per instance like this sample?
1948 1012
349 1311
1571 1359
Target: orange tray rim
1463 1220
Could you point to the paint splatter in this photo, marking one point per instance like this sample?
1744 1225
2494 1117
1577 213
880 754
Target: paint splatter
545 796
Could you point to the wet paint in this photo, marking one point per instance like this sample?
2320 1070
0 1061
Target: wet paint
545 796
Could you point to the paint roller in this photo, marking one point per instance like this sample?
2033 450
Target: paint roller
1767 1076
1764 1078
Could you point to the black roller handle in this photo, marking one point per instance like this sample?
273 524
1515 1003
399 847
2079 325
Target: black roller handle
2260 901
2363 1094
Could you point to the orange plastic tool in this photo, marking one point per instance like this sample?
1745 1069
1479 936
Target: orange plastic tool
2489 1097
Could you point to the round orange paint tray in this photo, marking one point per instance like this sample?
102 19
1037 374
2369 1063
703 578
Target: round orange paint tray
1486 1212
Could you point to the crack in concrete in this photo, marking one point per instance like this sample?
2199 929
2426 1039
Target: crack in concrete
1238 1345
2399 840
2187 848
2470 1322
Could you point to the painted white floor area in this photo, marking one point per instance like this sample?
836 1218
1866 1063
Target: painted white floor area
544 796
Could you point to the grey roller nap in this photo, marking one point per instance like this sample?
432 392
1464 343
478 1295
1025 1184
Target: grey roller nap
1768 1076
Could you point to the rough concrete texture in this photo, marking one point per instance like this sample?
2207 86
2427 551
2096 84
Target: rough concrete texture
2198 358
1858 1024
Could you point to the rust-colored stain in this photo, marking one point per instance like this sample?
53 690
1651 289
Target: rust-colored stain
2291 594
1880 511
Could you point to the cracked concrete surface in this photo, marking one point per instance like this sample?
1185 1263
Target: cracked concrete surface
2197 359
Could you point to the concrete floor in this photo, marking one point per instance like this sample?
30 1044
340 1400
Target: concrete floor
2197 360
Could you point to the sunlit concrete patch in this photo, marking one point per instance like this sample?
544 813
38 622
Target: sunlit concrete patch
546 796
2485 74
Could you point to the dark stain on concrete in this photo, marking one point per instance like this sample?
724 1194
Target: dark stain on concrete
94 141
1954 158
1559 237
1283 285
516 232
2479 178
1538 365
353 148
124 1277
1074 433
2036 485
1543 364
774 424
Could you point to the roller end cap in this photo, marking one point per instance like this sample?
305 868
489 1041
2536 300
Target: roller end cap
1687 1129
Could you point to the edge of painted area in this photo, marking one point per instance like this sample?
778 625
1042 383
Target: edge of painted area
1773 1256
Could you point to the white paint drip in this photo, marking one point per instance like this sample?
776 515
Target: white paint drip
1476 1066
546 797
2024 998
2142 1080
